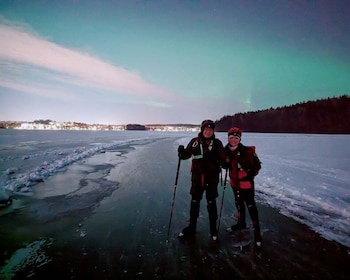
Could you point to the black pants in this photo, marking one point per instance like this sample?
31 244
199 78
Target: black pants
243 198
212 213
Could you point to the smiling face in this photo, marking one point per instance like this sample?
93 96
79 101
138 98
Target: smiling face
208 132
233 140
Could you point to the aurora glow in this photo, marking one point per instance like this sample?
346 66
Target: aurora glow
156 61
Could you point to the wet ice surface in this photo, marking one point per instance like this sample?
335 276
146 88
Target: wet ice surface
107 214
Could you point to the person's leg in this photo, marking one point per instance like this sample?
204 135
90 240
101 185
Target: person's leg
196 197
194 212
213 215
254 215
241 220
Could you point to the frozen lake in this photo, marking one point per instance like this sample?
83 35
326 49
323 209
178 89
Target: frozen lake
99 187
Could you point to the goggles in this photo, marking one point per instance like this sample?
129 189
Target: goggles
234 134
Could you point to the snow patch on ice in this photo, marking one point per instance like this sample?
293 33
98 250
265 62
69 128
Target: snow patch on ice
31 257
21 184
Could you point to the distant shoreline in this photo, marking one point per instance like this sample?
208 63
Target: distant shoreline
53 125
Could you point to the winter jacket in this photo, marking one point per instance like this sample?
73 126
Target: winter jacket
243 165
207 157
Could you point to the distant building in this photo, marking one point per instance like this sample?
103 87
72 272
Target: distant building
53 125
135 127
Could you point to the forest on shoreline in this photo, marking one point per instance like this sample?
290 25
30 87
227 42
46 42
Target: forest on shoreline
331 116
323 116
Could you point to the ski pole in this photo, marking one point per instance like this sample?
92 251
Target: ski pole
222 200
239 215
172 204
238 206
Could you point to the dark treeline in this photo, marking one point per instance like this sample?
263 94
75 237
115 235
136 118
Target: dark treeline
331 115
135 127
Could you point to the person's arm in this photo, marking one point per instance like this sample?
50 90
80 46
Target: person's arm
185 153
223 157
251 168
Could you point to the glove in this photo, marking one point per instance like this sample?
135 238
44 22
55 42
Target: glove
250 175
180 150
225 165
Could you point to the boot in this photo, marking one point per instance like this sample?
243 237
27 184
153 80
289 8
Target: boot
257 233
213 230
213 216
238 226
190 230
253 211
241 224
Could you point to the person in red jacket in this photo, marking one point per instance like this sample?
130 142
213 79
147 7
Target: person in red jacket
243 166
208 154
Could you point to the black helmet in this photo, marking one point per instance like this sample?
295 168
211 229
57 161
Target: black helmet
207 123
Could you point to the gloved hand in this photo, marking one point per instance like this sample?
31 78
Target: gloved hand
180 150
250 175
225 165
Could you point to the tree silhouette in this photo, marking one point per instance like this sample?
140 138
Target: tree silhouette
331 115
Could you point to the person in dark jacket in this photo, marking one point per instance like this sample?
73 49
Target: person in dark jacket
208 155
243 165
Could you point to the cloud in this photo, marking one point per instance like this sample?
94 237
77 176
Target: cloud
35 90
22 48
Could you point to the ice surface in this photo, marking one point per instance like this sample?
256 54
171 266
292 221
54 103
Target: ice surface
305 177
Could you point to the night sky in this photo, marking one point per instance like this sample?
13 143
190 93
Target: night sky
167 62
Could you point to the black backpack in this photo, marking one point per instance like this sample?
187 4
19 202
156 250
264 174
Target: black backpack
256 160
